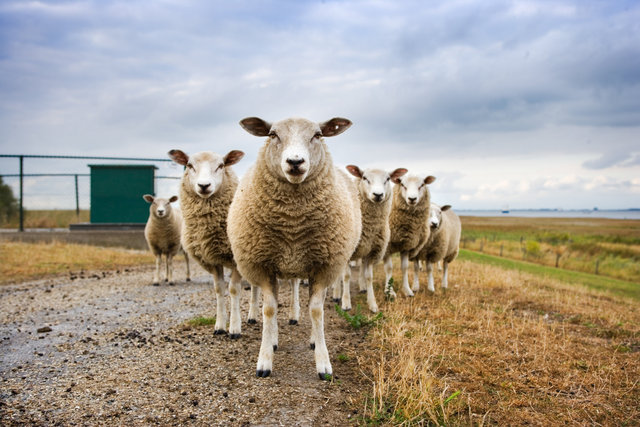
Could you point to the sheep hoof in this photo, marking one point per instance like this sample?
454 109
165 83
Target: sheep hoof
188 279
252 321
171 283
234 336
363 291
325 377
263 374
247 288
293 322
219 332
156 284
313 346
275 347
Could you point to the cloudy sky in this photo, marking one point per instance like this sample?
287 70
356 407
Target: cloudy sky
531 104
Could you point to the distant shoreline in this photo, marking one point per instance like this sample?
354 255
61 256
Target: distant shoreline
555 213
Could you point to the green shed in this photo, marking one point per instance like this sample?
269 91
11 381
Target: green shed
116 193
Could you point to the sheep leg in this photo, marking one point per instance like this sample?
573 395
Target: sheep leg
336 290
170 269
186 259
404 258
367 266
156 274
316 313
221 301
362 283
430 277
269 329
235 288
416 278
388 272
294 308
346 288
254 305
445 271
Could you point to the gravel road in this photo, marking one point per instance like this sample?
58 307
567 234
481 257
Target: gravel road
107 348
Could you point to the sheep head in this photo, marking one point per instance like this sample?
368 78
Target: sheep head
159 208
294 147
435 216
413 188
205 171
375 184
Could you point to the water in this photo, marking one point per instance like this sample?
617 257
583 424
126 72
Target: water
556 213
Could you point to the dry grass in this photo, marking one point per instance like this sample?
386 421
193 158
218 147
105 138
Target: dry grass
504 347
51 218
23 261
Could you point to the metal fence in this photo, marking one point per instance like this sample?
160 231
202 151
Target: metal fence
60 168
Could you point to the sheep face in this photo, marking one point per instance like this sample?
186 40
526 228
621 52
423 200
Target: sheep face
413 188
435 216
160 208
295 147
375 184
205 171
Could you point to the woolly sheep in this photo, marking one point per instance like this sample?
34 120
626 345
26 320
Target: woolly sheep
162 233
443 244
206 191
374 197
409 213
294 216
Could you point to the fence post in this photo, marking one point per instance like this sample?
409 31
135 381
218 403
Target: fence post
21 194
77 199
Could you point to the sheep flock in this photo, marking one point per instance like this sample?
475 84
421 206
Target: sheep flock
293 216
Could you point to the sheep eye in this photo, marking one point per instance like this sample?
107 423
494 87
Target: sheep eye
220 166
190 166
317 135
364 178
272 134
403 186
388 179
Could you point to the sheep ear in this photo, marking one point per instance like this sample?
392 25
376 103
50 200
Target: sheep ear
256 126
173 199
355 171
179 156
396 179
396 174
429 179
445 208
335 126
233 157
148 197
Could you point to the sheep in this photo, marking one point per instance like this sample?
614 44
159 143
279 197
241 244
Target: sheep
162 233
409 213
294 216
443 244
207 188
374 197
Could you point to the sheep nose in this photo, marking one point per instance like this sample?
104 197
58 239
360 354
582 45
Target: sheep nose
204 187
377 196
295 162
412 199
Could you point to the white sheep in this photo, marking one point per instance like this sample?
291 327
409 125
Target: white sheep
409 213
443 244
374 197
294 216
162 233
206 191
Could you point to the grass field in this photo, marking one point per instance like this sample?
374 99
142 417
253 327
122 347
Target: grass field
608 247
53 218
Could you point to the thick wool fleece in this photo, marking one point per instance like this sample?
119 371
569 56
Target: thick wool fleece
375 229
279 229
407 223
204 236
444 243
163 234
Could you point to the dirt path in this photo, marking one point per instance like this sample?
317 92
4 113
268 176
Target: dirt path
119 353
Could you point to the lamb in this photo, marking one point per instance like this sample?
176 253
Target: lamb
374 197
443 244
294 216
162 232
409 213
206 191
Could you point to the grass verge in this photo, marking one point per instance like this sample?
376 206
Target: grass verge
620 287
25 261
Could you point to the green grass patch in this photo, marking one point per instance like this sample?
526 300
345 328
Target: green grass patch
357 320
619 287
